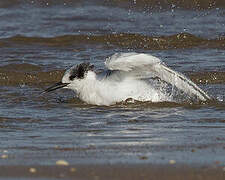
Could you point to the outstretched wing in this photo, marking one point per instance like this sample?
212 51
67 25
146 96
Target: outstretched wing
144 66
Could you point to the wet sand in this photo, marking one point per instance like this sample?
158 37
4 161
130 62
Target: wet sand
123 172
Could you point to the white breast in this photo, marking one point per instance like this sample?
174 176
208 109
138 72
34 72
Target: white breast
108 91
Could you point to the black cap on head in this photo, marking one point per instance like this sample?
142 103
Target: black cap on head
80 70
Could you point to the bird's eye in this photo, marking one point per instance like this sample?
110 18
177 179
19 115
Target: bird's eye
71 77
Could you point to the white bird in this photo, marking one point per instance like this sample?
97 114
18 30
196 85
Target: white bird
141 77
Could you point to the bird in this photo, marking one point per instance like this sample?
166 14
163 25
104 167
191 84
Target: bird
131 75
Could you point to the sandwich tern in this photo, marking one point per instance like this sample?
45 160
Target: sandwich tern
139 76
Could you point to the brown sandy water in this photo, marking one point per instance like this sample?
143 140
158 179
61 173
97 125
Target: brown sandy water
39 40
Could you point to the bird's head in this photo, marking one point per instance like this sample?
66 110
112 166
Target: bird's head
73 77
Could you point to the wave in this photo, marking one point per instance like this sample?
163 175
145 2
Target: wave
34 75
27 74
147 4
172 4
124 40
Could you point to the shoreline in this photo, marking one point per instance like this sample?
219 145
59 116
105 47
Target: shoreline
115 171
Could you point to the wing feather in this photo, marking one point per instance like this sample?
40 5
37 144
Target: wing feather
148 66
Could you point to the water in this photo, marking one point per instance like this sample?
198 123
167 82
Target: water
39 40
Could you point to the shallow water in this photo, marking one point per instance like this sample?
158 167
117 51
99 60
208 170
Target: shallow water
38 41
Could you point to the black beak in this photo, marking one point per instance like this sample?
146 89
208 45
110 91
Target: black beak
56 86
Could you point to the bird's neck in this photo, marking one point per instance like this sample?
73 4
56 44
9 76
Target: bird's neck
88 82
87 90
